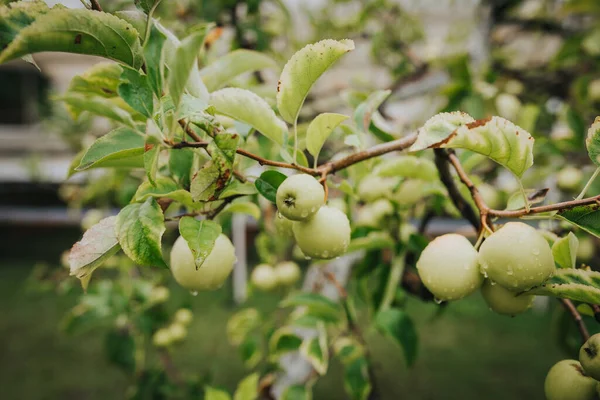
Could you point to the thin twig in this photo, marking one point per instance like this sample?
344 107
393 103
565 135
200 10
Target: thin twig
443 166
596 309
340 288
95 5
169 367
565 205
568 304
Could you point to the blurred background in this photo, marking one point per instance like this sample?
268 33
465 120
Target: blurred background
535 62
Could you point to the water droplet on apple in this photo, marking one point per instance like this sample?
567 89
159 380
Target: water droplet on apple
437 301
194 293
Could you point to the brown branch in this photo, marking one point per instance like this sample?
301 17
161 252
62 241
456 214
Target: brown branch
340 288
568 304
169 367
95 5
239 176
190 132
565 205
442 162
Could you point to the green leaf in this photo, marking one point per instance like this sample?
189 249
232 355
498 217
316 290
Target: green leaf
122 144
166 188
204 186
283 341
585 217
146 5
564 251
136 92
152 150
16 16
97 245
223 70
592 141
319 130
214 176
139 228
408 167
251 352
181 162
211 393
365 110
101 79
136 18
575 284
153 53
241 324
534 196
247 107
297 392
347 349
398 325
438 128
200 237
78 31
496 138
316 304
244 207
97 105
182 65
356 379
373 241
247 388
303 70
316 351
237 188
268 183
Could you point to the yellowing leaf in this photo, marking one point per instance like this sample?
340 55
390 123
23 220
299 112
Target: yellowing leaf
303 70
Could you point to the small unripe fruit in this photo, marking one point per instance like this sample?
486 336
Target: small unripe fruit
503 301
178 332
283 226
517 257
586 248
338 203
213 272
91 218
326 235
569 178
159 294
162 338
299 197
287 273
264 277
373 187
589 357
183 316
449 268
567 381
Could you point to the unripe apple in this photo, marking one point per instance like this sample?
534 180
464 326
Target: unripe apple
594 89
569 178
449 268
159 294
586 248
490 195
589 356
503 301
287 272
373 187
213 272
283 226
264 277
326 235
162 338
300 197
517 257
178 332
338 203
183 316
567 381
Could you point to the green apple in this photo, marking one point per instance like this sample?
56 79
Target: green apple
567 381
264 277
326 235
449 268
373 187
517 257
569 179
178 332
503 301
594 90
159 294
589 356
162 338
300 197
338 203
287 272
213 272
183 316
490 195
586 249
283 226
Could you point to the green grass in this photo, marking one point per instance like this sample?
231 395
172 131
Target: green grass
467 352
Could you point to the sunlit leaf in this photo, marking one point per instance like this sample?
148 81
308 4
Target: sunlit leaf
575 284
319 130
122 144
241 324
283 340
408 167
592 141
564 251
315 350
211 393
223 70
97 105
248 388
164 187
365 110
438 128
244 207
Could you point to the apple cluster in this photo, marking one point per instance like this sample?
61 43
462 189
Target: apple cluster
320 231
576 380
176 331
266 277
510 261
